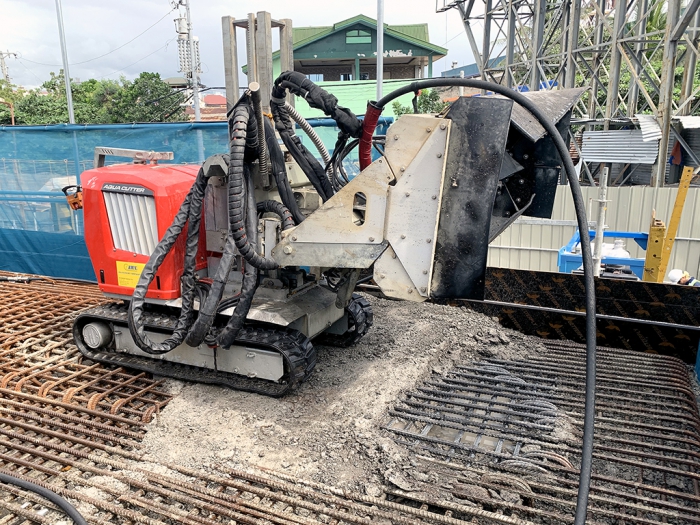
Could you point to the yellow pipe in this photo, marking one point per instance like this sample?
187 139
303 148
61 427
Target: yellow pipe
672 230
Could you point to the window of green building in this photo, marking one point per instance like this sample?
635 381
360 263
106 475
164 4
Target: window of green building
358 36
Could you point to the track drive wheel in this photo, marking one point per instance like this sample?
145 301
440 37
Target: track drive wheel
360 319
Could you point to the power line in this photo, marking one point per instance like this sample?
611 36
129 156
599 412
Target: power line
30 70
109 52
139 60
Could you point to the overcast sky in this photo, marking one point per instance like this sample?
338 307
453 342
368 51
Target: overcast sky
96 27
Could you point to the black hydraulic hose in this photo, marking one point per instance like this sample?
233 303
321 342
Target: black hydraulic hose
256 99
589 284
279 171
278 209
210 305
190 213
237 190
303 157
250 279
54 498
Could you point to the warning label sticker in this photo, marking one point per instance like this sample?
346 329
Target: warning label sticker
128 273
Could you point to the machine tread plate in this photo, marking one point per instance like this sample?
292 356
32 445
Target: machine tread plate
298 353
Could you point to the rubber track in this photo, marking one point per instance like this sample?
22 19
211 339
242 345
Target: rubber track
360 320
296 349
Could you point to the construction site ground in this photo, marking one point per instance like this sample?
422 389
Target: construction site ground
438 415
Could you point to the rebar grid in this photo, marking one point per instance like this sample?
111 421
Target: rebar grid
520 421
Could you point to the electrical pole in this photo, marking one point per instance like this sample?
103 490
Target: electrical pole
64 54
188 48
3 65
194 65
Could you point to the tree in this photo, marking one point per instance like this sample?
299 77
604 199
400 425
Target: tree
8 93
146 99
429 101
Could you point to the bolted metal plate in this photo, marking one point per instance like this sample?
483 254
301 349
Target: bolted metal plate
405 138
393 279
335 221
250 362
414 205
202 356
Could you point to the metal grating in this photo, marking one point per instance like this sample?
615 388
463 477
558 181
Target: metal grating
132 220
506 435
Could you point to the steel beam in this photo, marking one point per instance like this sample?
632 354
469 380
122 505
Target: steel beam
250 47
665 109
287 51
682 24
615 62
465 13
510 43
640 28
540 8
486 48
263 49
691 59
572 44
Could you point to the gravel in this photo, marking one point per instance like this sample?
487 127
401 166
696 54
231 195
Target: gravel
330 429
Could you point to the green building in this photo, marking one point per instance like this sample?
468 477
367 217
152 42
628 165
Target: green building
343 59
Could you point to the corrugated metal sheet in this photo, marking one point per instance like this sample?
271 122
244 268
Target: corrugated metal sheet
618 146
650 128
528 246
689 122
692 137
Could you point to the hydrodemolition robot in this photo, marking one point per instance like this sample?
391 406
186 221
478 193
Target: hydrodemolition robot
227 272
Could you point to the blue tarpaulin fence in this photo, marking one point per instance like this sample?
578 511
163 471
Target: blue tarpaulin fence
39 233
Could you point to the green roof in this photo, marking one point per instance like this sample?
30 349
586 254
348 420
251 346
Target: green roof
412 33
416 34
417 31
302 33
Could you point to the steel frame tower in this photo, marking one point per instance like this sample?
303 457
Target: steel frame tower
625 51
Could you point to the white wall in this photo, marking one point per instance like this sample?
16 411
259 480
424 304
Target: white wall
534 246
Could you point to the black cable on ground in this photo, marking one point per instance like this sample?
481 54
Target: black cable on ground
54 498
589 284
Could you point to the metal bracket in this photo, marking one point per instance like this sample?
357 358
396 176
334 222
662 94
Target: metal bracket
137 155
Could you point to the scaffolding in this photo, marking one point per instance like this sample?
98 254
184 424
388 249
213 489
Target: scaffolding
636 56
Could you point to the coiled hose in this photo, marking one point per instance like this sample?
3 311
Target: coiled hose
278 209
237 192
192 327
190 213
374 109
279 171
310 132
